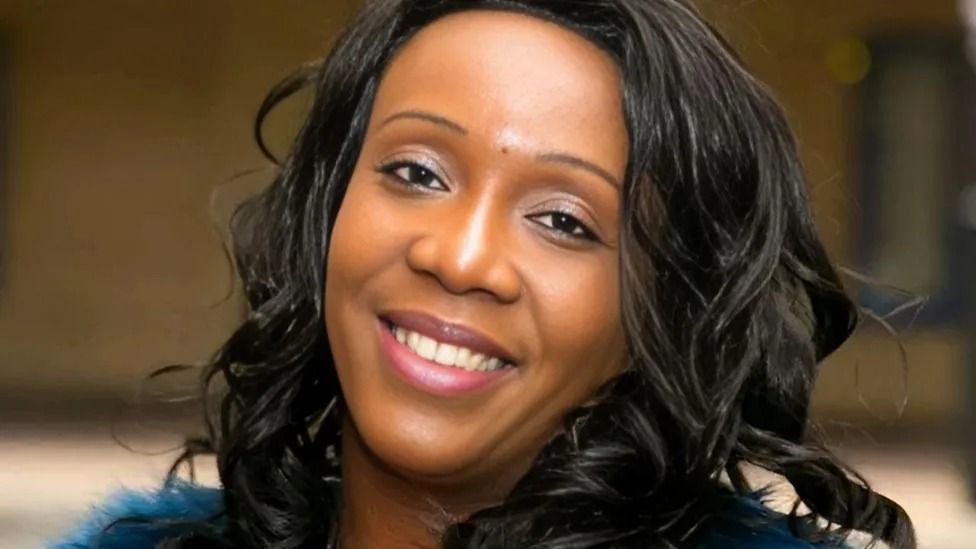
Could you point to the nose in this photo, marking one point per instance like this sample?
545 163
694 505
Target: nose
467 250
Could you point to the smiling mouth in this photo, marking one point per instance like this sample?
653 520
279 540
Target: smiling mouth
440 357
446 354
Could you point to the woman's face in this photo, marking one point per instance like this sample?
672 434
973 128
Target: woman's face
472 278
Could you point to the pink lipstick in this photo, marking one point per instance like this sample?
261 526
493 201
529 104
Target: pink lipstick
434 376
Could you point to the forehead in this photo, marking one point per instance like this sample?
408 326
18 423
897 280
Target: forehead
514 78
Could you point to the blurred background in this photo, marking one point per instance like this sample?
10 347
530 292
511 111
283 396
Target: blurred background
125 142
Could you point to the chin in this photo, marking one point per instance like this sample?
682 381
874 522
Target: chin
413 448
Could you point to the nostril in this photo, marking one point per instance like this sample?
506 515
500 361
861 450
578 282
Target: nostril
465 262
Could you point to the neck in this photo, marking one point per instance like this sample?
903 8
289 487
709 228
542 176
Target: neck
382 509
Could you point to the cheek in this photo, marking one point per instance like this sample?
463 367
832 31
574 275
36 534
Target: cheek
360 251
579 323
361 245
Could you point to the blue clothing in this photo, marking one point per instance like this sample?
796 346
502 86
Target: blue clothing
732 530
179 502
184 503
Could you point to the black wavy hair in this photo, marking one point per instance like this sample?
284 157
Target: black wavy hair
729 302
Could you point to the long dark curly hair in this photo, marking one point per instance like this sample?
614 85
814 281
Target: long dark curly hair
729 302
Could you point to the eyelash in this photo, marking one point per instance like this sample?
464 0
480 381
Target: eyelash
391 168
579 231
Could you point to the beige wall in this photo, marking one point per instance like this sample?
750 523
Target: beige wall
127 115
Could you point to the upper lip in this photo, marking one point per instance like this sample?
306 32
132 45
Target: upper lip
448 332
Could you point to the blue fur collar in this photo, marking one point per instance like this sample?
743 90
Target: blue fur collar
180 503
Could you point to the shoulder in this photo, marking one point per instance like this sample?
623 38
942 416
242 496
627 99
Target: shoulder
747 523
138 519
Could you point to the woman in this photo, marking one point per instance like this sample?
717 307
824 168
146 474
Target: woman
537 273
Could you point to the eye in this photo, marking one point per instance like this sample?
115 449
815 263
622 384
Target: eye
413 174
566 225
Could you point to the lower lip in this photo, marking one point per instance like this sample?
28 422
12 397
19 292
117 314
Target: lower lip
430 376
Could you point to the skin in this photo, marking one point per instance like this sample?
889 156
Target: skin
492 105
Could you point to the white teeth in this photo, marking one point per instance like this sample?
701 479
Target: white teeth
446 354
463 356
426 348
477 362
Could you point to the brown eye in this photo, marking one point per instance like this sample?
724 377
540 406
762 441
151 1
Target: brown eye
565 224
414 175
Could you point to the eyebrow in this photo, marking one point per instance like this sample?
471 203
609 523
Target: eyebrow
426 117
577 162
551 157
